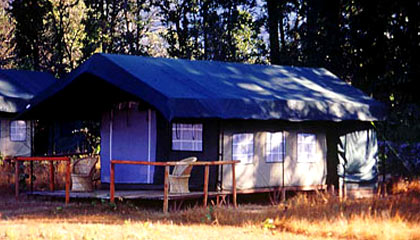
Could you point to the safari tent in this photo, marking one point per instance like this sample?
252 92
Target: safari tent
17 88
288 126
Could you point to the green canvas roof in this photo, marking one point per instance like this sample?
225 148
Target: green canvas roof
208 89
18 87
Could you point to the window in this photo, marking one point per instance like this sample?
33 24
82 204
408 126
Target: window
243 147
18 131
306 147
275 146
187 137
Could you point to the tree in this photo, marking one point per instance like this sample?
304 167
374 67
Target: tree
212 30
47 34
274 17
7 28
66 30
30 32
120 27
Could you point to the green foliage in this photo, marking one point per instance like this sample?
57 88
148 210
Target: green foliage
67 34
120 27
213 30
209 215
91 134
47 34
268 224
30 31
7 28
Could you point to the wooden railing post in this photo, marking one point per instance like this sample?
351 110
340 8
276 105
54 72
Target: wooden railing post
165 189
234 186
68 167
16 179
167 165
206 185
51 170
51 176
112 183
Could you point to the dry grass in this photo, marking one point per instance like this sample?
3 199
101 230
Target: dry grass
41 173
303 217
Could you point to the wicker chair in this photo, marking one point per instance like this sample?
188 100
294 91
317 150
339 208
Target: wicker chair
178 180
83 170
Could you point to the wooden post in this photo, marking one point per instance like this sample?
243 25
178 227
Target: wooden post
384 191
340 188
51 176
165 190
283 194
31 174
344 190
206 185
16 179
112 183
234 186
68 181
332 190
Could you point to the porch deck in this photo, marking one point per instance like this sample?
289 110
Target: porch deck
126 194
276 194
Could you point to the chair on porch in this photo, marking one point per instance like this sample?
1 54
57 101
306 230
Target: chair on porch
178 180
82 175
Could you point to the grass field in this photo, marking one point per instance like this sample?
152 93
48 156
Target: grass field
302 217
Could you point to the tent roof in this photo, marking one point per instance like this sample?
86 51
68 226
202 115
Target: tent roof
17 87
209 89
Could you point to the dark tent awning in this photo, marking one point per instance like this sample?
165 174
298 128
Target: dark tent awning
206 89
17 87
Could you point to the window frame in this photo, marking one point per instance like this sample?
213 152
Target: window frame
193 141
312 159
12 135
248 161
268 149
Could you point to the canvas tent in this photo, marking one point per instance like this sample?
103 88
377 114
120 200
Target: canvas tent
222 110
17 88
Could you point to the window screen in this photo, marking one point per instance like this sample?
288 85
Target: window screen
18 131
187 137
275 146
243 147
306 147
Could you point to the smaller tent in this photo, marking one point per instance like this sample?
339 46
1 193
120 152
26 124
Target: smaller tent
17 88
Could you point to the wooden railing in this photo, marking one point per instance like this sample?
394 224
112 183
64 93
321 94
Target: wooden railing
167 165
51 160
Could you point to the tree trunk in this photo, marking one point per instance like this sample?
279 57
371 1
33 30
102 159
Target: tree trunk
273 30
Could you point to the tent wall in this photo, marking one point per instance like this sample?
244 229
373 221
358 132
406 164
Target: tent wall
306 174
259 173
209 153
362 159
358 155
130 141
14 148
357 130
217 144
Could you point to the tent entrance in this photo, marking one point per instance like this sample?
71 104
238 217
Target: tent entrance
129 134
